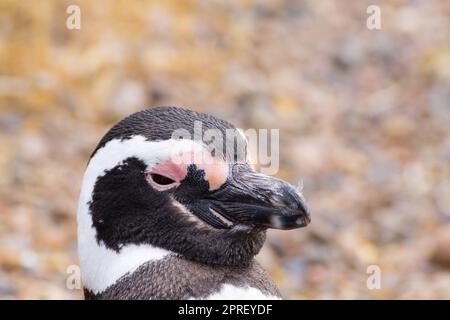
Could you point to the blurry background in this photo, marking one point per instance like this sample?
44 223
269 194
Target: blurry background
363 117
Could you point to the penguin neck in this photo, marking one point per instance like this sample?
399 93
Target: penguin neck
102 267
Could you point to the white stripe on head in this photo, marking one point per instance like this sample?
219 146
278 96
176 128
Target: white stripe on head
101 266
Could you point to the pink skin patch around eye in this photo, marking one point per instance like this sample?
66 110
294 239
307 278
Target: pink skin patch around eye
216 171
167 169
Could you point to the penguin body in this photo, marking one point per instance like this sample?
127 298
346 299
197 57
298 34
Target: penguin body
177 278
157 222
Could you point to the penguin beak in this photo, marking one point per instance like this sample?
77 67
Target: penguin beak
257 200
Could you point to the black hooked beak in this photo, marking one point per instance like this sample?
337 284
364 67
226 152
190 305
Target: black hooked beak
257 200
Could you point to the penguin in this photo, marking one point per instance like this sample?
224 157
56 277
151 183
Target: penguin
157 221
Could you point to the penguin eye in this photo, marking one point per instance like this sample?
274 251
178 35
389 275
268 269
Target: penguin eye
160 179
160 182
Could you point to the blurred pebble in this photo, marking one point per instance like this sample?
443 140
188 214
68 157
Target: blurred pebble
441 252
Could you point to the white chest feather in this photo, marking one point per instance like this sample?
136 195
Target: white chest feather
230 292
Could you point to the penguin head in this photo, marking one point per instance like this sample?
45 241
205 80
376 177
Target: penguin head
142 186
